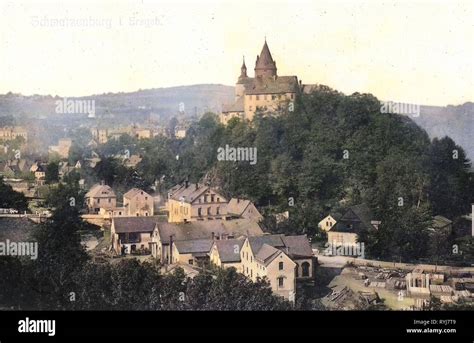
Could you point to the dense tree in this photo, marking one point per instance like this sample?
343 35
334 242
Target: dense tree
11 199
52 172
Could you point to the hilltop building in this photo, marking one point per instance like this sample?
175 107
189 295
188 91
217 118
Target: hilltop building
266 91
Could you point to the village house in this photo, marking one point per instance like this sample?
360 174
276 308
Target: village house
328 222
131 235
260 259
346 231
241 208
193 252
282 259
100 196
40 172
195 202
138 203
132 161
226 253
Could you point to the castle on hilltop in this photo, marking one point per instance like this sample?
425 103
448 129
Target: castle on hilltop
266 91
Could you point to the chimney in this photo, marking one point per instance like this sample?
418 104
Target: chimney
186 184
102 182
197 186
238 200
171 250
301 84
213 235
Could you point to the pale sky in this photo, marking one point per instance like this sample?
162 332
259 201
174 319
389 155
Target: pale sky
411 51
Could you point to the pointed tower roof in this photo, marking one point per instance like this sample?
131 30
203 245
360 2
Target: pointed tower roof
265 65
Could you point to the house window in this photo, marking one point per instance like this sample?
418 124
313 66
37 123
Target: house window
190 262
218 210
199 212
98 201
305 269
212 198
280 281
258 97
110 200
280 266
208 211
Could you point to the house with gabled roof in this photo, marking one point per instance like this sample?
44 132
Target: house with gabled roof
226 253
193 252
242 208
132 235
260 258
195 202
137 202
355 220
100 196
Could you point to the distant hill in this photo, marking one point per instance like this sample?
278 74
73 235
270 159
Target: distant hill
162 103
456 122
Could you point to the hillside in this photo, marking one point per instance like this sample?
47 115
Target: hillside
456 122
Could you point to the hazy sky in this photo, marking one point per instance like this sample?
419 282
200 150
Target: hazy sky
412 51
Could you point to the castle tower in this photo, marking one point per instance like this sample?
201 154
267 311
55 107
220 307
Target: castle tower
243 78
243 70
265 66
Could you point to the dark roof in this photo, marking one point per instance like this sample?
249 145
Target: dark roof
270 85
237 206
227 251
267 253
356 219
257 242
204 229
194 246
293 246
298 246
265 59
190 193
134 224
